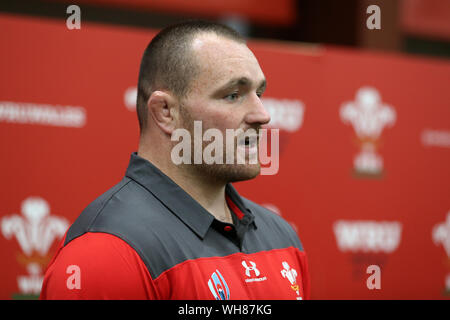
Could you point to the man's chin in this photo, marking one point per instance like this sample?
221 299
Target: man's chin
230 173
246 172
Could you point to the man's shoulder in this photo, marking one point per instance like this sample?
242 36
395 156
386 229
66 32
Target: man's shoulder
117 207
270 223
100 266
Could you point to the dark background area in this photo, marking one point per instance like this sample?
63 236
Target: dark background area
317 21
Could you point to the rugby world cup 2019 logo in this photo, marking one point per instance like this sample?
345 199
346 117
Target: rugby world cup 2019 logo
35 231
369 116
218 286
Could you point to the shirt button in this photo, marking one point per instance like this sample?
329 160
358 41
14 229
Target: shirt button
228 228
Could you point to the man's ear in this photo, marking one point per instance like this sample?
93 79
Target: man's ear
162 109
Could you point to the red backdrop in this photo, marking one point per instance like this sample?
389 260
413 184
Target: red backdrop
364 171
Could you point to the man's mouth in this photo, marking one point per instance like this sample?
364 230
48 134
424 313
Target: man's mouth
248 141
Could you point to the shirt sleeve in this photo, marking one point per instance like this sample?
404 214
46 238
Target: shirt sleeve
306 277
97 266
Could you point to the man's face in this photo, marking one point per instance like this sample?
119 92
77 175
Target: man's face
226 95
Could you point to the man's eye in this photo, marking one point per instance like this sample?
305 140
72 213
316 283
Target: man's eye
232 97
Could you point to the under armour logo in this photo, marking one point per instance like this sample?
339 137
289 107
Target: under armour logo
251 268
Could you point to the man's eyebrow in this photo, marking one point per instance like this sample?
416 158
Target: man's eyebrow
263 84
242 81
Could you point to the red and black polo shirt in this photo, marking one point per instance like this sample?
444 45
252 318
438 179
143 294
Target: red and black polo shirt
146 238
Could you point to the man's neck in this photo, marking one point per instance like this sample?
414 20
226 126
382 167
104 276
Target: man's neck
208 193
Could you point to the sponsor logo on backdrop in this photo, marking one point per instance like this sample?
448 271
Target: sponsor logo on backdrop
368 242
369 116
285 114
42 114
35 230
435 138
129 98
367 236
441 237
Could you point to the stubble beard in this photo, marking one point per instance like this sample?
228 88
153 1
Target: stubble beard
225 173
219 172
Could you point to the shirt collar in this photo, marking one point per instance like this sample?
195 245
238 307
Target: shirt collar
178 201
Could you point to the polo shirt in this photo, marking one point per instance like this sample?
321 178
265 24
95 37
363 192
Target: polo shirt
146 238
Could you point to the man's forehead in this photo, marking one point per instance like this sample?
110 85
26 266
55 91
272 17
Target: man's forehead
222 59
207 41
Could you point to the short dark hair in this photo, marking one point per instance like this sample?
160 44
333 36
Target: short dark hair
167 62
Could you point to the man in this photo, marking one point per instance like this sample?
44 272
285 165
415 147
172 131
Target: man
180 230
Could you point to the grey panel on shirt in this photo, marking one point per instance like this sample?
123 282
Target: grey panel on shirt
165 232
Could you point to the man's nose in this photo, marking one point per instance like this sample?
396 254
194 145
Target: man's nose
257 113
